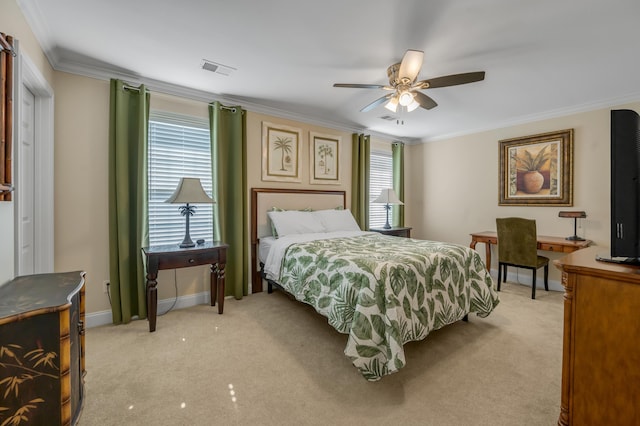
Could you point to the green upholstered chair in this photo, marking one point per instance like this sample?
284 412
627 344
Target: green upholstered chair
518 246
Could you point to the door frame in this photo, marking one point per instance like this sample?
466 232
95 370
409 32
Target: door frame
29 75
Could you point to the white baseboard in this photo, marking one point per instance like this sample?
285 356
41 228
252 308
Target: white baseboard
525 279
99 318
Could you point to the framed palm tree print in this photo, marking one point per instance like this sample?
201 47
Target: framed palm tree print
325 159
281 153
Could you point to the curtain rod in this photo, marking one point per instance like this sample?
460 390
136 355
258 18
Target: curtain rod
229 108
126 86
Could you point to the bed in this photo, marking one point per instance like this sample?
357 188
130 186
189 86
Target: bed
381 291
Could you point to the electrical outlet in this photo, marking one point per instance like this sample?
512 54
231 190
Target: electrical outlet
105 286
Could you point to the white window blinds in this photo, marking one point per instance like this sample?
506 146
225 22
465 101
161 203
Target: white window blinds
380 177
179 146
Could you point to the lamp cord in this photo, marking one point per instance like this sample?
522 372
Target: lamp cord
175 285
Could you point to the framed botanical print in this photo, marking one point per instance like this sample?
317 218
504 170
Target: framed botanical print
537 170
325 159
281 153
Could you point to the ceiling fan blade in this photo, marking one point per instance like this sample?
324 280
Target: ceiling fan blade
360 86
377 102
411 64
451 80
425 101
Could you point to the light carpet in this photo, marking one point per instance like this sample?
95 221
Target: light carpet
269 360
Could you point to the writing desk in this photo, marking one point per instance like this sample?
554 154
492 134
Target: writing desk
172 257
546 243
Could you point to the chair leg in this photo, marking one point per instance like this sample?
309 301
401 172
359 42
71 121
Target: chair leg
499 274
533 285
546 277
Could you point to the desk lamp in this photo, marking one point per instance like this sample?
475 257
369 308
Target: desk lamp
189 190
575 216
387 197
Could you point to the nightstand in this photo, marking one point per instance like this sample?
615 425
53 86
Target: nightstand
172 257
400 231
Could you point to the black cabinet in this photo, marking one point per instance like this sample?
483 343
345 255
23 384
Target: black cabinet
42 349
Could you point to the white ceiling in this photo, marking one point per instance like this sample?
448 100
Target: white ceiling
542 58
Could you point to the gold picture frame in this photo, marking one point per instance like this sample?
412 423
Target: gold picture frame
281 147
537 170
325 151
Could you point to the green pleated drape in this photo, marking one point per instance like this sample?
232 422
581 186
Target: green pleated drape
128 226
397 158
360 161
229 172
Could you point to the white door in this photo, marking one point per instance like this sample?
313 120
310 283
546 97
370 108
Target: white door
25 188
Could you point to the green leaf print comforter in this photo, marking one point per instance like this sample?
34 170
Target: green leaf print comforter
385 291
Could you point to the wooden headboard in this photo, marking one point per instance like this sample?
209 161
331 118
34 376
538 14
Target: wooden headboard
263 199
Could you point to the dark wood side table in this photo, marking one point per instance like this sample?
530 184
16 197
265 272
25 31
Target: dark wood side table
171 257
399 231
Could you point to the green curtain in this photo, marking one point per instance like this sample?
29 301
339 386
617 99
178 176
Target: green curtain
229 171
360 179
397 158
128 226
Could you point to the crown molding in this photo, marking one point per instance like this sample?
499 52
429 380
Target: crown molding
204 96
43 34
556 113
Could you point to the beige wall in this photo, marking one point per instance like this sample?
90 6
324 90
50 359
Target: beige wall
81 180
448 212
13 23
452 185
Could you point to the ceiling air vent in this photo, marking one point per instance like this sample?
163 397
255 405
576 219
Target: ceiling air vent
217 68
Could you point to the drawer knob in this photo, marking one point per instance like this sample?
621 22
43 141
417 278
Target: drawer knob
191 260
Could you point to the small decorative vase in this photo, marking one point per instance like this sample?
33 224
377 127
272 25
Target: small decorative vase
533 182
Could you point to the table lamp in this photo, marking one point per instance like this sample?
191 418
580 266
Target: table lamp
387 197
189 191
575 216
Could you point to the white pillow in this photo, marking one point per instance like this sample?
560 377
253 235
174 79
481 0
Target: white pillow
337 220
294 222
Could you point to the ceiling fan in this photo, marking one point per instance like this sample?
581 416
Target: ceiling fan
405 90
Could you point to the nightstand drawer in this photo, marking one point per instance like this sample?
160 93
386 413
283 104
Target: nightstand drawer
396 232
188 259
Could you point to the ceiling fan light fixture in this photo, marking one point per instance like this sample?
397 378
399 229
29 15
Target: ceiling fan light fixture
392 105
413 105
405 98
405 90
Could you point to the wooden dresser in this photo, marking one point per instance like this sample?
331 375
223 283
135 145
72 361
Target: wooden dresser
42 349
601 344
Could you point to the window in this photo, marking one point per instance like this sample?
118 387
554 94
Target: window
380 177
179 146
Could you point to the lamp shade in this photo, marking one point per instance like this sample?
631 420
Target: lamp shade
387 196
189 191
580 215
575 215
